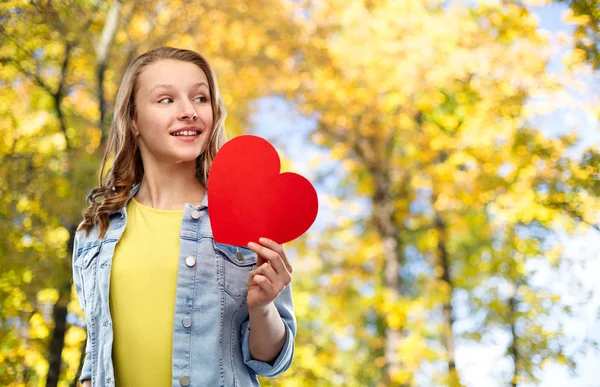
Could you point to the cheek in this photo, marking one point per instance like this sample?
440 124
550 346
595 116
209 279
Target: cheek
207 116
152 121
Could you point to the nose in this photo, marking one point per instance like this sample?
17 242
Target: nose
187 112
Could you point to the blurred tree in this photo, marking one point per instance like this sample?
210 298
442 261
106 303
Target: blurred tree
62 63
423 103
586 15
512 276
39 148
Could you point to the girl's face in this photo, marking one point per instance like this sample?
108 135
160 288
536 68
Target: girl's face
172 96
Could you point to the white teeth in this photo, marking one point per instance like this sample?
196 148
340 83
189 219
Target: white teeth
186 133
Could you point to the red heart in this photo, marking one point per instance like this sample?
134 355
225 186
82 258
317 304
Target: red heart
249 198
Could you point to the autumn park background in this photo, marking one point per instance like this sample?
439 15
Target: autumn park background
454 146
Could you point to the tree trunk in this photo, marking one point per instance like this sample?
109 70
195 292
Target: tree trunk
448 333
393 336
102 51
58 336
59 314
384 219
512 305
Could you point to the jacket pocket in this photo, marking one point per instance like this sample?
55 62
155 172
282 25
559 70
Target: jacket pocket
87 270
237 264
87 255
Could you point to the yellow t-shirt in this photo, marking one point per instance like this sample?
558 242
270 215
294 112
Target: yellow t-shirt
142 296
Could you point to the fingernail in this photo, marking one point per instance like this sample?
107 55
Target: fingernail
262 240
251 244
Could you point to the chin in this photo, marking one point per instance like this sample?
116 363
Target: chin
190 158
186 158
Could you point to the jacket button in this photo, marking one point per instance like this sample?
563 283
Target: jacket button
184 380
187 322
196 214
190 261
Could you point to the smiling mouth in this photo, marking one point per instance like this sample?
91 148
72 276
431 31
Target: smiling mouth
188 133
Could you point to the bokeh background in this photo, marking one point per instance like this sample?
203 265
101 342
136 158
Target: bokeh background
454 146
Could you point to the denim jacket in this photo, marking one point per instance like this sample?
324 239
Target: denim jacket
211 325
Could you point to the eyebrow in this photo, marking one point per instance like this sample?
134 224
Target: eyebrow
167 86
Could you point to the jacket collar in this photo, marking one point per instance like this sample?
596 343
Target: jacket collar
132 193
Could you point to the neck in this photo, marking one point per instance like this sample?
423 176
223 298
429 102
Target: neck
170 186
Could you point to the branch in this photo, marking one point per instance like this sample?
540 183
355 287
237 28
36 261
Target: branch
579 217
102 50
34 77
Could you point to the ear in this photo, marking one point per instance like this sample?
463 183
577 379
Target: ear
134 129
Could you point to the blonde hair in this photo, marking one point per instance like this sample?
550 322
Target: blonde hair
127 169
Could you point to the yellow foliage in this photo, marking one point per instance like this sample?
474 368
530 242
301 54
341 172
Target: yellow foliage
27 276
57 237
48 295
339 151
395 318
38 328
34 124
23 204
570 18
75 336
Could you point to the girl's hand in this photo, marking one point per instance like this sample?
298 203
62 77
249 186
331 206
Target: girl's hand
87 383
270 276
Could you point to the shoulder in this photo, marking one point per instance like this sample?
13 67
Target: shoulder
83 237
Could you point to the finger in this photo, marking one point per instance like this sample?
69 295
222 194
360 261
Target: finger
278 249
269 255
264 283
278 280
272 245
259 269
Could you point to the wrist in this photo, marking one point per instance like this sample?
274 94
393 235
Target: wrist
261 311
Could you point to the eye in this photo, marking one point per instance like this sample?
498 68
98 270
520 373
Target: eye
161 101
202 98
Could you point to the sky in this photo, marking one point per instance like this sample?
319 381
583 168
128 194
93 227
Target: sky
479 365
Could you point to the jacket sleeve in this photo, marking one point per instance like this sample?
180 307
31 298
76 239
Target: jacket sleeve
86 372
285 307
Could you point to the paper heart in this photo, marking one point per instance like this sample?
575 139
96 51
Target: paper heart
249 198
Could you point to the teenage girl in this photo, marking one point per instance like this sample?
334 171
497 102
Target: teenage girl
164 304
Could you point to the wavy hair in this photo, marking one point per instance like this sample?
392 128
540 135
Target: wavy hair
127 169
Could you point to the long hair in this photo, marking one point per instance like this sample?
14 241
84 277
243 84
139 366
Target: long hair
127 169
